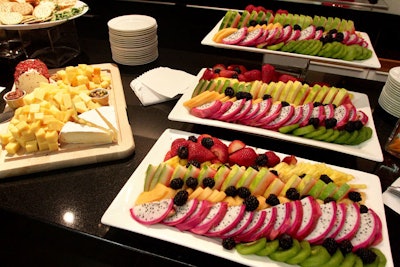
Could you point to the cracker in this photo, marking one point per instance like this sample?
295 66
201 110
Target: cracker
62 4
43 10
23 8
6 6
10 18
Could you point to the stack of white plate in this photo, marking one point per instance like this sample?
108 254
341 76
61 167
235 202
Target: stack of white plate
389 98
133 39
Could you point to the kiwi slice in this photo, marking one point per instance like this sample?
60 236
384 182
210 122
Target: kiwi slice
251 247
358 262
301 48
303 254
361 137
288 128
269 248
319 255
333 137
325 135
310 47
304 130
335 260
344 135
381 257
348 260
289 46
326 47
316 49
275 46
353 136
350 53
283 255
320 130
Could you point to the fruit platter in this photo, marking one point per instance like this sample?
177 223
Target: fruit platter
63 117
274 107
264 210
326 39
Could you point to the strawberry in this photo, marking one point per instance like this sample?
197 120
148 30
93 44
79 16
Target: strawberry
273 159
218 67
235 145
241 77
167 156
176 144
209 74
267 73
240 69
199 153
220 150
282 11
243 157
291 160
250 8
252 75
287 77
228 74
200 137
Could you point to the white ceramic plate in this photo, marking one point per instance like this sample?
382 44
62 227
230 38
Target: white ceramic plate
370 149
48 24
372 62
118 215
132 23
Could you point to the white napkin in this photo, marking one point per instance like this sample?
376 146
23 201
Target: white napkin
390 200
162 84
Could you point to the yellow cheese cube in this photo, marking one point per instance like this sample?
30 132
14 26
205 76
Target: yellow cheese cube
40 135
58 97
21 126
53 146
52 137
39 93
29 98
6 138
43 145
22 117
92 105
33 108
68 114
47 118
39 116
31 146
67 103
85 97
28 135
12 147
82 79
14 131
36 125
55 125
81 107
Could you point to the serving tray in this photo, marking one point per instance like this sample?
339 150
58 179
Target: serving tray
77 154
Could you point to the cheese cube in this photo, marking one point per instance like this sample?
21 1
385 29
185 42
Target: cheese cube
12 147
6 138
22 126
85 97
31 146
53 146
81 107
51 137
36 125
33 108
28 135
55 125
67 103
43 145
40 135
39 116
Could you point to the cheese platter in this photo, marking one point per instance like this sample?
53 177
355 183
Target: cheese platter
101 133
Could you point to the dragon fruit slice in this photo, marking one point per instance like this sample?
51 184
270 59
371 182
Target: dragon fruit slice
267 225
181 212
285 34
232 216
235 37
224 107
362 117
324 224
339 221
214 216
262 37
282 222
265 106
296 215
251 37
152 212
366 232
319 113
207 109
378 235
311 213
308 33
329 110
240 226
307 112
294 36
285 115
271 115
251 113
235 108
297 115
352 112
318 34
244 111
341 115
352 223
254 225
272 35
202 209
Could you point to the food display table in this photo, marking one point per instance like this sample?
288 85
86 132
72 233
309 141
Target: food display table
53 217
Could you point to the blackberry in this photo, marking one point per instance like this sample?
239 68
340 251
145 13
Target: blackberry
262 160
253 23
231 191
243 192
208 182
358 125
235 76
192 138
284 104
325 178
194 163
354 196
272 200
274 172
331 245
192 182
345 246
329 199
292 194
255 167
238 70
229 91
314 122
228 243
181 197
350 126
363 209
317 104
265 22
332 31
244 95
330 123
207 142
320 28
367 256
339 37
302 175
328 38
266 96
183 152
285 241
176 183
251 203
296 27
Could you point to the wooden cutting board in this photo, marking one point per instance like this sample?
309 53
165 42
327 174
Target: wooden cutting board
77 154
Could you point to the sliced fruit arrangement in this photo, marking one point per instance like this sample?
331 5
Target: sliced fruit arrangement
211 197
316 36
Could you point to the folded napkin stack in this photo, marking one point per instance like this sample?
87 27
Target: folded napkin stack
391 200
162 84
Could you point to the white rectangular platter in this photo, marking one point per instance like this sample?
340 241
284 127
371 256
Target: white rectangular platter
77 154
372 62
369 149
118 215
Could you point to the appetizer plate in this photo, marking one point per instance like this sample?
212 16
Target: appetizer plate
118 215
76 154
47 24
369 149
372 62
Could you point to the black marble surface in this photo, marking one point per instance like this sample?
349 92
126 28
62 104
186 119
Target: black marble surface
33 230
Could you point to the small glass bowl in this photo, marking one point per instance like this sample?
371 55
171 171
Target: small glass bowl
15 99
100 95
